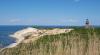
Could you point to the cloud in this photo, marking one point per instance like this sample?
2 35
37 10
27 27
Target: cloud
76 0
70 20
14 20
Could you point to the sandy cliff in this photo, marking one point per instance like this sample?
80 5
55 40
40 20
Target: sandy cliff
31 34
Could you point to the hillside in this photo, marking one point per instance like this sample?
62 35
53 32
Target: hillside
76 42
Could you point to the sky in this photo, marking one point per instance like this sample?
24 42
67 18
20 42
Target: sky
49 12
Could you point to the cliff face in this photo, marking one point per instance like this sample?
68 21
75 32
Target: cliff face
35 35
31 34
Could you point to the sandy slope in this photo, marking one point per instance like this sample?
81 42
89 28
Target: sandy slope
34 34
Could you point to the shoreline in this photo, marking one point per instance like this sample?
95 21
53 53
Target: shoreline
21 34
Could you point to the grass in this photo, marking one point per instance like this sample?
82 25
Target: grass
78 42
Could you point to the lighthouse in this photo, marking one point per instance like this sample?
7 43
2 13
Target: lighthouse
87 24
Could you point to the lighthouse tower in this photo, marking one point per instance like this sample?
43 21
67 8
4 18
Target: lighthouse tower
87 24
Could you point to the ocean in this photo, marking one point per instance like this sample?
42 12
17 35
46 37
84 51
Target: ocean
5 32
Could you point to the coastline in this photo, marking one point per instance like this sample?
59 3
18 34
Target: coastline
35 33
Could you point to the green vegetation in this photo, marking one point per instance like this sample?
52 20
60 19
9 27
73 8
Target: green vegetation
78 42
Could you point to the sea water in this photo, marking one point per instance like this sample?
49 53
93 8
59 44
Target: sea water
6 31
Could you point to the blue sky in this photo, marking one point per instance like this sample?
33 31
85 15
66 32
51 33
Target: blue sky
49 12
